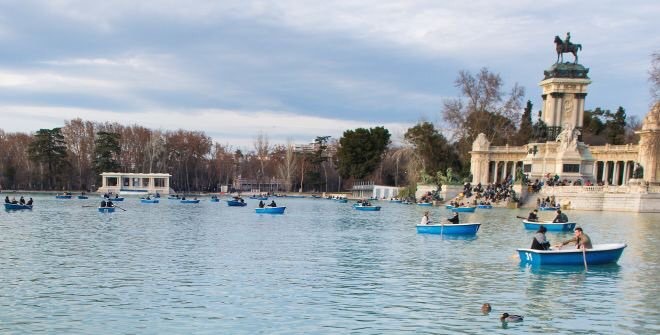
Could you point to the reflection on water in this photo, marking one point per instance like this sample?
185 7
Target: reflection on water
322 267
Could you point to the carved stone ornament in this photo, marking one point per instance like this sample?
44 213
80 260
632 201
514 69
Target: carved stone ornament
481 143
569 104
568 139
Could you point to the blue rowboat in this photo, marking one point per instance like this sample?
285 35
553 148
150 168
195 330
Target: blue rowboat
107 209
117 199
270 210
464 209
485 206
295 196
215 200
449 206
62 197
83 197
546 208
149 201
341 201
254 197
425 204
550 226
235 203
449 229
366 208
396 201
190 201
14 207
600 254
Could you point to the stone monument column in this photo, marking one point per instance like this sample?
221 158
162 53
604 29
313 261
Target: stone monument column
564 90
479 159
649 145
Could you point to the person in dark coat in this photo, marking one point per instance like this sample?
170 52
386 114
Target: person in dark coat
539 242
454 219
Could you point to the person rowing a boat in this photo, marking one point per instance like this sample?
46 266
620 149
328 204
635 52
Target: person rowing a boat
454 219
533 216
29 203
103 203
109 203
273 204
261 204
581 240
425 219
7 200
560 218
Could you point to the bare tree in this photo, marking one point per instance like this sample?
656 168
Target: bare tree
262 149
654 76
287 168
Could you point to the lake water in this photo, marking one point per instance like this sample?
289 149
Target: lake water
321 268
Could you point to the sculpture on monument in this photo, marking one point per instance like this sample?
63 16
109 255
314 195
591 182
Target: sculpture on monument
566 47
568 138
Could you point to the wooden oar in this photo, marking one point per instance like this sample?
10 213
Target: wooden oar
584 258
89 206
521 217
120 208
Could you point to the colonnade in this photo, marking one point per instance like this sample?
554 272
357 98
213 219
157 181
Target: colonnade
498 171
613 172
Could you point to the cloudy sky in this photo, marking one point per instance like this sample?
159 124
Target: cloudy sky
300 69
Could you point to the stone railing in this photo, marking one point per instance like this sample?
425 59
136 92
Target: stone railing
550 190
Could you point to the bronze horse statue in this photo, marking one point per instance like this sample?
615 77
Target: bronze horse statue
564 48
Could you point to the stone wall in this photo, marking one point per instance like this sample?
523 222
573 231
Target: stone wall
631 198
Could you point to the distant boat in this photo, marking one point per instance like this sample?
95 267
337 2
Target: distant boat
341 201
270 210
599 254
63 196
361 207
449 206
258 197
396 201
83 197
236 203
17 206
117 199
449 229
464 209
190 201
295 196
548 208
149 201
550 226
485 206
107 209
424 204
215 200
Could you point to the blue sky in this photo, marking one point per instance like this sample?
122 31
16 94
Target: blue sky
300 69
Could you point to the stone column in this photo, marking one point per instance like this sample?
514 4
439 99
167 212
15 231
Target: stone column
495 174
615 173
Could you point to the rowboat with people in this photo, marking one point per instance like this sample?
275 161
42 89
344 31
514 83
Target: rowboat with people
424 204
14 207
149 201
106 209
63 196
548 208
371 208
599 254
83 197
550 226
270 210
189 201
449 229
236 202
485 206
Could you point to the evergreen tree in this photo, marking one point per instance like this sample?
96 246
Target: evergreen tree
431 148
361 150
49 148
526 129
106 152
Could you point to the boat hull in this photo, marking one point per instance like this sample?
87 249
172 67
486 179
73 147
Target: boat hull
190 201
341 201
464 209
62 197
83 197
550 226
234 203
548 208
600 254
449 229
106 209
367 208
449 207
215 200
270 210
485 206
149 201
425 204
15 207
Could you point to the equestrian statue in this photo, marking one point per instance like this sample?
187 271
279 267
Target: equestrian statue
566 47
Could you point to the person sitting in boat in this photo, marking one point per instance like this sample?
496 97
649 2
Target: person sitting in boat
425 219
14 201
29 203
148 197
21 200
560 218
580 239
7 200
116 196
109 203
454 219
103 203
533 216
183 197
157 195
261 204
539 242
273 204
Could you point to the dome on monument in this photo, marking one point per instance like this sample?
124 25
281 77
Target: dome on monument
566 70
652 119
